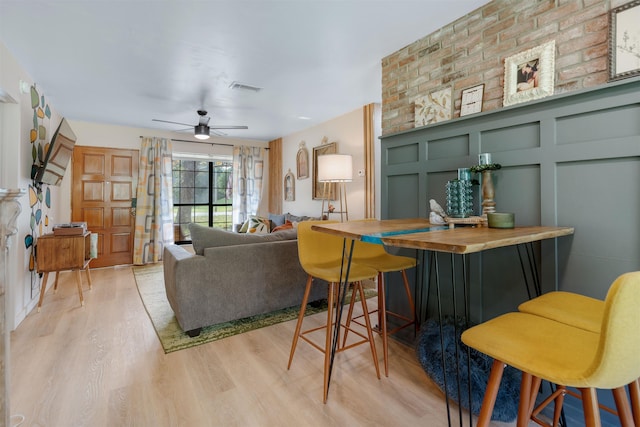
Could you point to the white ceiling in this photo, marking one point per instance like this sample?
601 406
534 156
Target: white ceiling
127 62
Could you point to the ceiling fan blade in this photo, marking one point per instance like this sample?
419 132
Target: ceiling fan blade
227 127
175 123
216 132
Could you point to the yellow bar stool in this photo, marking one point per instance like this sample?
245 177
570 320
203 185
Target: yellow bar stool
375 256
320 256
585 313
569 356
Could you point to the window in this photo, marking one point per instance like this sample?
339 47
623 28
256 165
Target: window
202 193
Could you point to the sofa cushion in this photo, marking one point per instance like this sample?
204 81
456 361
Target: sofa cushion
295 218
277 220
207 237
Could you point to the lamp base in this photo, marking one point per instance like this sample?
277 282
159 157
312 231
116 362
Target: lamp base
342 197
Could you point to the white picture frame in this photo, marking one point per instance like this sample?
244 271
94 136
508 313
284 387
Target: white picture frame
471 100
624 41
530 74
289 187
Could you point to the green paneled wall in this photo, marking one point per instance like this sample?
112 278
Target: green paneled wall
568 160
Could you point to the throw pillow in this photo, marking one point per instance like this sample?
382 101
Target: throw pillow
277 220
206 237
286 226
295 218
203 237
258 225
245 227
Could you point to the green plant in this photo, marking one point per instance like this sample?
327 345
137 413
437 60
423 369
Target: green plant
489 167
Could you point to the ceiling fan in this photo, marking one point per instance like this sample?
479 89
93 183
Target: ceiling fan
202 129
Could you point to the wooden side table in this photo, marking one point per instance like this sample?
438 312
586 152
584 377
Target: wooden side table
58 253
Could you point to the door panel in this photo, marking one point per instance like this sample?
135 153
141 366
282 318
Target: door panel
104 182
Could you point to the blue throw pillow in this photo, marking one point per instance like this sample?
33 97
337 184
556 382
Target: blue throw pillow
276 220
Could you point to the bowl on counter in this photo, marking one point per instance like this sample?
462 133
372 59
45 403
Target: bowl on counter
501 220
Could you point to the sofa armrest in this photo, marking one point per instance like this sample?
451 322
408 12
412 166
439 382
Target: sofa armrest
175 260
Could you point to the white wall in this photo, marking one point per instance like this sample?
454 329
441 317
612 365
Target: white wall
15 164
348 131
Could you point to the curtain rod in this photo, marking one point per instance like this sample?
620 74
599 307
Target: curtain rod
205 142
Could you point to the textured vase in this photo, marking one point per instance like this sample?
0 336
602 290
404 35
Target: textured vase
459 198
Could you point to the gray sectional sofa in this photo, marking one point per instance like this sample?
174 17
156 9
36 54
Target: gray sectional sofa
232 276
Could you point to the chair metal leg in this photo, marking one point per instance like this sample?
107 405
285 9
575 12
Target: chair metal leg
303 308
367 321
382 315
490 394
622 405
590 407
412 305
557 397
524 412
634 393
349 316
559 401
327 345
533 392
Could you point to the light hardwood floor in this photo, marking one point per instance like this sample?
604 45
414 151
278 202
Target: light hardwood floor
102 365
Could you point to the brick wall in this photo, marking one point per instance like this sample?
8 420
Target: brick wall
472 50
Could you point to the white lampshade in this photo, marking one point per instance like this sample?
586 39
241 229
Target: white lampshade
335 168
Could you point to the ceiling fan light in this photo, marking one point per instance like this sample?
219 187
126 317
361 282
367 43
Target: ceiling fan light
201 132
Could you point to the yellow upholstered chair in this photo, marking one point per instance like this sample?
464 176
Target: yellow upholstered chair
582 312
320 255
569 356
375 256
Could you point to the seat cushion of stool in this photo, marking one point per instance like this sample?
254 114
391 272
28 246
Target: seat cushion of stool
567 307
386 262
564 357
332 272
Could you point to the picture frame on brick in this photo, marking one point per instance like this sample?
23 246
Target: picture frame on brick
471 100
624 41
530 74
433 108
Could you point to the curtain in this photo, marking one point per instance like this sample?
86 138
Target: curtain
154 222
249 175
275 176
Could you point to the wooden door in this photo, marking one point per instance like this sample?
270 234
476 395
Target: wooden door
104 182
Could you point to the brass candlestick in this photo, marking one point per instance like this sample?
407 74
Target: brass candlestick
488 193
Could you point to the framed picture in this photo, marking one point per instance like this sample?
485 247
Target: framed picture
530 74
471 100
433 108
302 161
318 187
289 187
624 41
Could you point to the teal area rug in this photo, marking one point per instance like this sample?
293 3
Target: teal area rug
150 283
